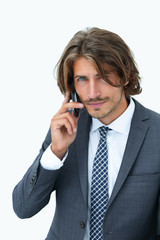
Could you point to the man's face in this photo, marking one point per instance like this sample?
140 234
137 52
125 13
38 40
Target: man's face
101 100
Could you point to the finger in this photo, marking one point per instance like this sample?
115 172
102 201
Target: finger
71 105
60 123
67 96
70 118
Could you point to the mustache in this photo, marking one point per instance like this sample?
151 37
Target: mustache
91 100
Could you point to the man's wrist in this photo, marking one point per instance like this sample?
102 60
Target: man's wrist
59 154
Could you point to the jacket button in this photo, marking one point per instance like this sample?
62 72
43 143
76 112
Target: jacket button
82 224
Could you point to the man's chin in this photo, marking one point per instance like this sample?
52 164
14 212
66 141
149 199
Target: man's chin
96 113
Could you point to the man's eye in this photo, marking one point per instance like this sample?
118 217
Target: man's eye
82 78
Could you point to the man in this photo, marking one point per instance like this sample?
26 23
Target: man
104 164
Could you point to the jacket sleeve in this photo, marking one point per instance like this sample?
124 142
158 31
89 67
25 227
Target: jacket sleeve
33 192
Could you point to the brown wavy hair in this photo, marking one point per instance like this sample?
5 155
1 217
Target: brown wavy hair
102 48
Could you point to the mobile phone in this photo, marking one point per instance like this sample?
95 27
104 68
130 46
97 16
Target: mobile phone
75 99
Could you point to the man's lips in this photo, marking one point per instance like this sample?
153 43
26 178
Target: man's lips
96 104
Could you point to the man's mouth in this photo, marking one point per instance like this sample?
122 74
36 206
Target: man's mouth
96 104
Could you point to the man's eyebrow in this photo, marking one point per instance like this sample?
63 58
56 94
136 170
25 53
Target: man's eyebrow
80 75
83 75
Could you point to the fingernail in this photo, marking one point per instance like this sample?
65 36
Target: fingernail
81 104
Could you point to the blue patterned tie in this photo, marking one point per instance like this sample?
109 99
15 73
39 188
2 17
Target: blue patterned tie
99 187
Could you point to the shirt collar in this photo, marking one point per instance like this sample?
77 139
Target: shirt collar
121 124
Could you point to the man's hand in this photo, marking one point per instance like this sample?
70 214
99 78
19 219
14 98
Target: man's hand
64 127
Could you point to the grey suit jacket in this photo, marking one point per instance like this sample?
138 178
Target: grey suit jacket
133 212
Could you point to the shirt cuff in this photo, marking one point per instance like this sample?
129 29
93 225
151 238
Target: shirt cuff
50 161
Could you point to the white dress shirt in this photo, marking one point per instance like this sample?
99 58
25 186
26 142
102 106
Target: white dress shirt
116 143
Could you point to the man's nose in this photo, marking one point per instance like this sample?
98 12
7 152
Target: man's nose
93 89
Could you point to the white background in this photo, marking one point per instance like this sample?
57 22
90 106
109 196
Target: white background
33 34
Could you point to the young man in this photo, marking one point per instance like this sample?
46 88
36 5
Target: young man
104 164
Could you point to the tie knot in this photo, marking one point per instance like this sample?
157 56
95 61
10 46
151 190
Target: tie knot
103 132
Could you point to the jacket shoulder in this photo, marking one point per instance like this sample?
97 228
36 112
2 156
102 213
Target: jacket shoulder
145 114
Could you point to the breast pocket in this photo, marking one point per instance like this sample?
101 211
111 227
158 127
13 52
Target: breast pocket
140 178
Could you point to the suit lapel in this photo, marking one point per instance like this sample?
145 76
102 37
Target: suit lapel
82 140
135 140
